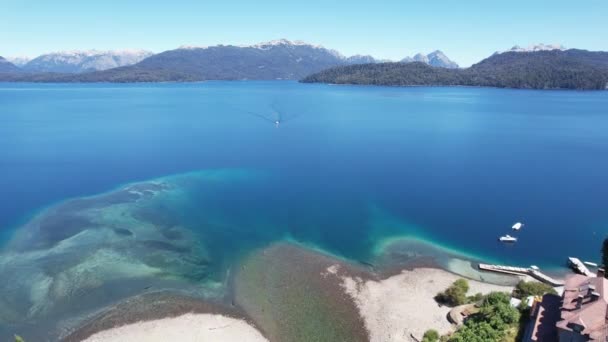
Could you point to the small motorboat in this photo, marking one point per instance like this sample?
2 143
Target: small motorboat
589 263
517 226
507 238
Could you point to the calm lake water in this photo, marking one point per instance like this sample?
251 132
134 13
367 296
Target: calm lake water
455 166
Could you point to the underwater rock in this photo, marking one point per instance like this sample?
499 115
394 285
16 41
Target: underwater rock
122 231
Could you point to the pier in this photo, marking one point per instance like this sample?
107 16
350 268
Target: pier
536 274
579 267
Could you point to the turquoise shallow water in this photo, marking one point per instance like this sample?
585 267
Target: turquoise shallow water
347 169
460 164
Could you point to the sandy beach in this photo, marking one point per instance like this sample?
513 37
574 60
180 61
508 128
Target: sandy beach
289 293
166 316
186 328
402 305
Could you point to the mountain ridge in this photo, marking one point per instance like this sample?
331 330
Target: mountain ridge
78 61
8 67
18 61
546 68
536 48
436 58
276 59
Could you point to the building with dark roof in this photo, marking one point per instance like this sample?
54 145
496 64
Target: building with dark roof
580 314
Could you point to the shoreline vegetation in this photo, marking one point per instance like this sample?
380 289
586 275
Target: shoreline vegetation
548 70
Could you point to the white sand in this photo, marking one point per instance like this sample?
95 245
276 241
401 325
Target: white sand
187 328
401 305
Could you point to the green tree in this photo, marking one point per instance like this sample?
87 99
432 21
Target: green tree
478 297
495 317
19 339
430 336
476 332
454 295
497 305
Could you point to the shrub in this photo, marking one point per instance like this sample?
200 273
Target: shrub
430 336
478 297
532 288
454 295
495 317
475 332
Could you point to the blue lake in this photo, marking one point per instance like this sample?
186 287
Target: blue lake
455 166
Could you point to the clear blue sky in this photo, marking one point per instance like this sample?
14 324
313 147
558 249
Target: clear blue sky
466 31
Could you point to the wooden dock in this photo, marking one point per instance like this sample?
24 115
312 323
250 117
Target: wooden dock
536 274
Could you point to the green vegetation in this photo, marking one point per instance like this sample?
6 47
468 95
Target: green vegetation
525 289
430 336
454 295
571 69
478 297
495 321
19 339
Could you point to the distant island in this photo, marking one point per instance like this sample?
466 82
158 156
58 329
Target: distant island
544 69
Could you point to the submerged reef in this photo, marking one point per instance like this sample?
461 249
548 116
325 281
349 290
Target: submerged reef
85 253
215 236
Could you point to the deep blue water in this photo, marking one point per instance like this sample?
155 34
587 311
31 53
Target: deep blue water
460 164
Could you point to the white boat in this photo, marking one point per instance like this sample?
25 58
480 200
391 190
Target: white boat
507 238
517 226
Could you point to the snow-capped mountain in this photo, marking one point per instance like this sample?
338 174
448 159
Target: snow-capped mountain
7 67
277 59
360 59
421 58
83 61
273 44
19 60
537 47
438 58
435 58
282 42
294 44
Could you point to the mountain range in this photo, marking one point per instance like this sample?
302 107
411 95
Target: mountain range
19 61
541 69
435 58
536 48
8 67
83 61
278 59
